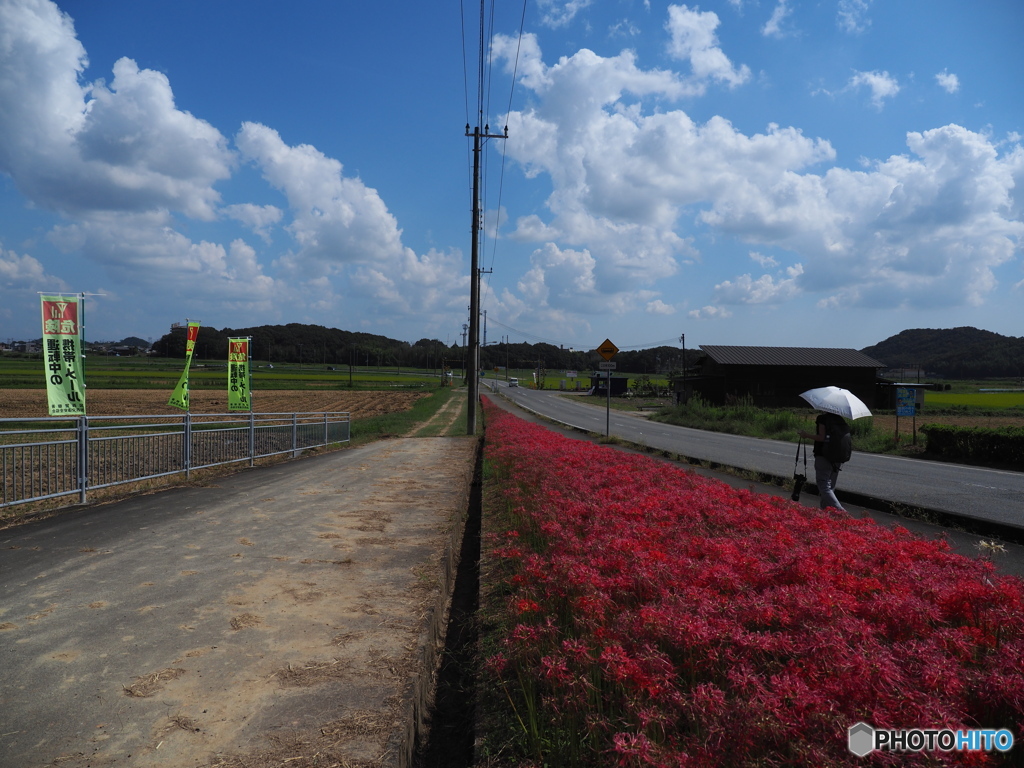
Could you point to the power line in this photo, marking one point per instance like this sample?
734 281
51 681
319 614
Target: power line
473 351
504 147
465 71
554 343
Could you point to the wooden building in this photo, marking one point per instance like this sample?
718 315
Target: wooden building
599 384
774 377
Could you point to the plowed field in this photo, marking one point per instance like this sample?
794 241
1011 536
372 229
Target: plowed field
16 403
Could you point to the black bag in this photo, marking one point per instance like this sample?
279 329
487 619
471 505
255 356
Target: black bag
838 446
798 479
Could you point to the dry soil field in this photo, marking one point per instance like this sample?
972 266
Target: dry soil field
16 403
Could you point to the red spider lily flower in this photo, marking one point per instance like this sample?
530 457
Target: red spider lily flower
661 618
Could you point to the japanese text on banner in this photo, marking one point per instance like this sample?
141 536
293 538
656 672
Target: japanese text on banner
62 355
238 375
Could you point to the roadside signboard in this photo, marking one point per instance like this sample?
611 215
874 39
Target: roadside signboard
607 350
906 405
62 345
906 401
239 378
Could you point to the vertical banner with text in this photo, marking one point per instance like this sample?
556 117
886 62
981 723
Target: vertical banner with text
238 375
179 398
62 353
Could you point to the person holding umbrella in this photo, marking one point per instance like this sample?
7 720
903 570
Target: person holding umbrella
832 443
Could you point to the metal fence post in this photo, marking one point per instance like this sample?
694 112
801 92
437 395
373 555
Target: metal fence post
126 452
186 433
83 457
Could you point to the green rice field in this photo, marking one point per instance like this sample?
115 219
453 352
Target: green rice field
163 373
985 400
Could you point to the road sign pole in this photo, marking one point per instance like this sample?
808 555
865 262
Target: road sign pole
608 409
607 350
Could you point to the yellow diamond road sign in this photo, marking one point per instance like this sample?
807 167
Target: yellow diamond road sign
607 350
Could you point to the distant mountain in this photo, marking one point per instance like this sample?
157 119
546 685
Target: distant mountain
316 345
134 341
953 353
297 343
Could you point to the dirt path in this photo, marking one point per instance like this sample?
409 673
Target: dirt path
281 613
440 423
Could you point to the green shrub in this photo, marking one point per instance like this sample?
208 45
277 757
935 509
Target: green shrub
1003 445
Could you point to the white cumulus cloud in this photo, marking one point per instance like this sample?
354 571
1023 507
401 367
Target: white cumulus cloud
926 229
709 312
948 81
852 15
73 147
774 26
881 84
558 13
766 289
659 307
693 40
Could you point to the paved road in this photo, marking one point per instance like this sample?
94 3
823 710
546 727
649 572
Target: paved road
983 494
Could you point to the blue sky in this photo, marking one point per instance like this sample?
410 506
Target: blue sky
770 173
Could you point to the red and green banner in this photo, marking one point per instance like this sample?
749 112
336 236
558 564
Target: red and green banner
179 398
62 354
238 375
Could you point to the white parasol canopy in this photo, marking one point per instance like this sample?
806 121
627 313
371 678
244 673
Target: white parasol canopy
841 402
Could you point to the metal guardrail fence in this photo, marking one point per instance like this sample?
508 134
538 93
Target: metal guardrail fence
51 457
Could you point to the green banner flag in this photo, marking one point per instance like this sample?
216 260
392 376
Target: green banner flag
62 353
238 375
179 398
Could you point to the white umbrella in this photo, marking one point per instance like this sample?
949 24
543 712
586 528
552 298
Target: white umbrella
841 402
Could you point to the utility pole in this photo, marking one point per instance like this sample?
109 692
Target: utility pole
474 297
682 340
465 328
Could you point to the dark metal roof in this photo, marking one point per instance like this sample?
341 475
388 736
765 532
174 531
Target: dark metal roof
791 356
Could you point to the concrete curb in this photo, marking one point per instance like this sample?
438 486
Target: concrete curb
419 691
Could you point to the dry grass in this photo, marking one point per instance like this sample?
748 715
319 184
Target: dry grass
887 423
147 685
311 673
327 747
185 723
245 621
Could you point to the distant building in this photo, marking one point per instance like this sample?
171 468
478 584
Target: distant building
774 377
599 385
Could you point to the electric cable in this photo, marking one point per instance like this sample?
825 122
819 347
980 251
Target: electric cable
504 146
534 337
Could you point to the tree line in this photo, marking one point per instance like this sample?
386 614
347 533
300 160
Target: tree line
316 345
953 353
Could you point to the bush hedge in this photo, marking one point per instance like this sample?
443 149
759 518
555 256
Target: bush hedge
1003 445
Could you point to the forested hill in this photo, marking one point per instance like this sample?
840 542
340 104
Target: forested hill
955 353
317 345
308 344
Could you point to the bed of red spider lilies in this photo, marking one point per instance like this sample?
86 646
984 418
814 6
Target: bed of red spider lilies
659 618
